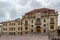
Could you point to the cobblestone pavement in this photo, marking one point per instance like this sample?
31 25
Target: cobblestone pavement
19 37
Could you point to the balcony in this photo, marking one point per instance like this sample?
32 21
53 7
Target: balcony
52 23
26 24
37 24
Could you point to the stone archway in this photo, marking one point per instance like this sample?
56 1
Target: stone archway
38 29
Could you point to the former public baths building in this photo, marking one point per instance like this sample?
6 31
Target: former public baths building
36 21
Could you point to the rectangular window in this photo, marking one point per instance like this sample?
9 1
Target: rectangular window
14 33
44 19
10 33
11 28
26 28
21 33
21 23
18 23
31 25
32 21
18 32
18 28
14 28
10 24
51 27
44 31
14 23
21 28
4 24
4 29
31 30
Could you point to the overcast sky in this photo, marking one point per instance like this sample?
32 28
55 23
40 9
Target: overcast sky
12 9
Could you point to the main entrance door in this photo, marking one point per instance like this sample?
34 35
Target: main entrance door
38 29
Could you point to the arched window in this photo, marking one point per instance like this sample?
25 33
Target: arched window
52 20
38 21
26 23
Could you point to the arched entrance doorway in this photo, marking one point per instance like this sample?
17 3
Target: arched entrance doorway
38 29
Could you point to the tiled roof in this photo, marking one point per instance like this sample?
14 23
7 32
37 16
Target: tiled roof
45 10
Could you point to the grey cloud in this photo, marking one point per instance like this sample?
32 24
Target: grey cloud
2 14
13 13
55 5
23 2
11 9
4 4
35 4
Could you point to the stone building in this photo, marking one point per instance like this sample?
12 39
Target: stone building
36 21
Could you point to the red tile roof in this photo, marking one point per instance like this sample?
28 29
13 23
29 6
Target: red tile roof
44 10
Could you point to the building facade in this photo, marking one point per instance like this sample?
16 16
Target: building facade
35 21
